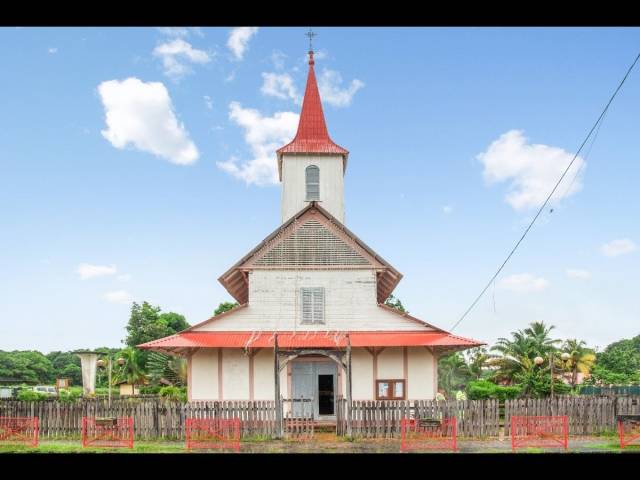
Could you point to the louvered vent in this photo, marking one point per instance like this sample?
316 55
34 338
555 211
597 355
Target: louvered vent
314 245
312 305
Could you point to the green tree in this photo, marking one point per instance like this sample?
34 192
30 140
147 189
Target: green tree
66 365
621 357
147 323
452 372
581 359
517 353
224 307
130 372
477 360
28 366
394 302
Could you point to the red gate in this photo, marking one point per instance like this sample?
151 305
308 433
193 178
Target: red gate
107 432
529 431
19 430
420 434
203 433
629 429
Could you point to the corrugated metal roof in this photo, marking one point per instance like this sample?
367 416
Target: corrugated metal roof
312 135
319 339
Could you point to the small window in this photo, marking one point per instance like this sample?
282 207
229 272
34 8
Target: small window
312 305
312 181
390 390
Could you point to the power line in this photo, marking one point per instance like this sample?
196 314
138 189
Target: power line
513 250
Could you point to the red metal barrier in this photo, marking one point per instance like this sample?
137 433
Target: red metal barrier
203 433
19 430
529 431
421 434
107 432
629 429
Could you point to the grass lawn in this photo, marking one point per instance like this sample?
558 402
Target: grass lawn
326 443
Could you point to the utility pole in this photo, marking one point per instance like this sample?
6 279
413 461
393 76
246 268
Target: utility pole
551 368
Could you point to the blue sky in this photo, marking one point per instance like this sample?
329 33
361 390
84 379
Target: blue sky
137 164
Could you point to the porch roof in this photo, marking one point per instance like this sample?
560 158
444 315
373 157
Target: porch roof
309 339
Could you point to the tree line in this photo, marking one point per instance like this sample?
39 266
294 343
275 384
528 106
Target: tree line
527 362
146 323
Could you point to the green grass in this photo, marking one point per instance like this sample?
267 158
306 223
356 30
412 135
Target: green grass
76 447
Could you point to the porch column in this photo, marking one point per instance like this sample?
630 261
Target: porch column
276 371
348 392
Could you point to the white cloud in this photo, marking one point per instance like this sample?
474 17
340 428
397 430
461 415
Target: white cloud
330 83
532 169
264 135
175 54
119 296
578 273
618 247
447 209
52 50
280 85
208 102
238 41
124 277
277 58
524 282
86 270
141 114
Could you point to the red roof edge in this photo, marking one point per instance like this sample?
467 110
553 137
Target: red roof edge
312 135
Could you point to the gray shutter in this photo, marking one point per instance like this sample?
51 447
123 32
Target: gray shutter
312 300
318 305
312 181
307 310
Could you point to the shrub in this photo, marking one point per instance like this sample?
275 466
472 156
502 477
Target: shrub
69 396
175 394
31 396
150 389
484 389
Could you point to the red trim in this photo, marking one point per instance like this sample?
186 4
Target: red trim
308 339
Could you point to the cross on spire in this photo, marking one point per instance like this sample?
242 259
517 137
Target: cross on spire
310 34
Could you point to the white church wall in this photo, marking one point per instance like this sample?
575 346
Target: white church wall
294 186
263 383
421 379
361 374
274 303
391 364
235 374
204 374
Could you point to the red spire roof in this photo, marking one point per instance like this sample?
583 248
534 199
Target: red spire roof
312 135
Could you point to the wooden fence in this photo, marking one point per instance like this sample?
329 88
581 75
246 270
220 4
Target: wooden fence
587 415
153 419
159 419
475 418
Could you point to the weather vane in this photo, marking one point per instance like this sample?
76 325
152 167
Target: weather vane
310 34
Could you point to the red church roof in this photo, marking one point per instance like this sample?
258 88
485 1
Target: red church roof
307 339
312 135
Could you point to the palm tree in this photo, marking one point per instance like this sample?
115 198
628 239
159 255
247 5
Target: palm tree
581 359
538 332
477 360
452 371
517 353
166 369
130 371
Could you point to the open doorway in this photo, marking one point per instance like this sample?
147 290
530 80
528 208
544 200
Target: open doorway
326 394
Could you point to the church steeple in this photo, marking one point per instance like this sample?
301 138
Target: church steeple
312 136
311 167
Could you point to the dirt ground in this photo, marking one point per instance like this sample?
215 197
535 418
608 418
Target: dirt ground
329 443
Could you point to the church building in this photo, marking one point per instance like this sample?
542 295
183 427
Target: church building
312 321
